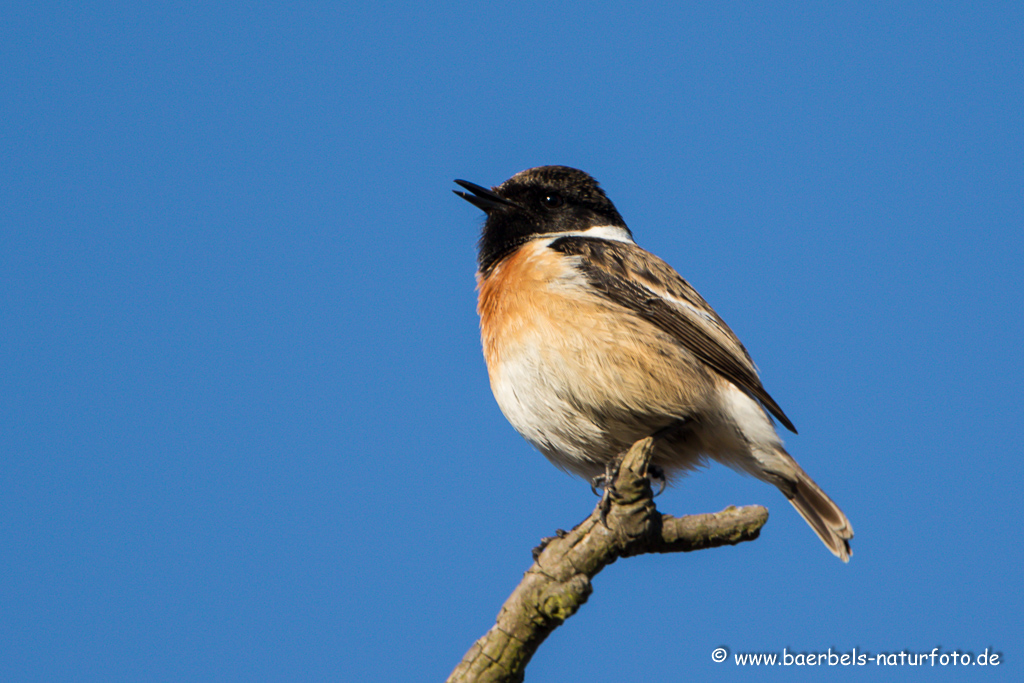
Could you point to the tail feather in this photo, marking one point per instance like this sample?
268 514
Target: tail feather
824 516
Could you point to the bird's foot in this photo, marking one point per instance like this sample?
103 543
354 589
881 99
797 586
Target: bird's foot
606 482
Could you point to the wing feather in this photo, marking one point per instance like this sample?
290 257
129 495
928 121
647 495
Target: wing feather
640 281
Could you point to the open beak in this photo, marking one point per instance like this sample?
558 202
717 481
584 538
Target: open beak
482 198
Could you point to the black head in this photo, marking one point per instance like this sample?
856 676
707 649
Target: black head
537 201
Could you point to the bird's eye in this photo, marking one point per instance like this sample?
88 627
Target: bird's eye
553 200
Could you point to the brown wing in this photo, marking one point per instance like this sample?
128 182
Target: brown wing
643 283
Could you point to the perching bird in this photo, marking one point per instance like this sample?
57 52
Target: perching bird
593 343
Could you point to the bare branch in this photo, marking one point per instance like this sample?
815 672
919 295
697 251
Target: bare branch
558 583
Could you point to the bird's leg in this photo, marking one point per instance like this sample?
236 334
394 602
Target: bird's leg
606 482
654 472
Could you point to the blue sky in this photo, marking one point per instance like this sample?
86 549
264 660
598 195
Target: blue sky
245 424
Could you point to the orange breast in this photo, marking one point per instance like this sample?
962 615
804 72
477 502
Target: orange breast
536 309
516 300
580 377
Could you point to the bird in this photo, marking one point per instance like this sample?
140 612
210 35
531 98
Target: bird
593 343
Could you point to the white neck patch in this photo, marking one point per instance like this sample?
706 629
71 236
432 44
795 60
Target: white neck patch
605 232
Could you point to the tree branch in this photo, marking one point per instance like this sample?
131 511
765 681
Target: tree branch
559 580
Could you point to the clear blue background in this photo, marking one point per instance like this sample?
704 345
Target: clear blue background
245 423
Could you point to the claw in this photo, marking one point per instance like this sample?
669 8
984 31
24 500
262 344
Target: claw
605 506
655 473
